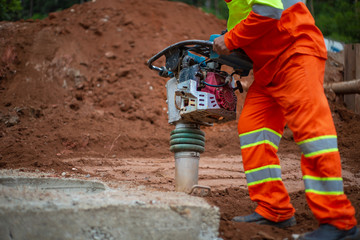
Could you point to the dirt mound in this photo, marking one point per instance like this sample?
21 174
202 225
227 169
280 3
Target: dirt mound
77 96
76 82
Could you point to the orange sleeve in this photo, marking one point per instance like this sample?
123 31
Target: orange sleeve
248 30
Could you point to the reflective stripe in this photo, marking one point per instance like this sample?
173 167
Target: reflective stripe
318 145
267 11
271 3
324 186
260 136
274 12
239 10
263 174
289 3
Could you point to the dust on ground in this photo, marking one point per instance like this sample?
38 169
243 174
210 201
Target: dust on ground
77 100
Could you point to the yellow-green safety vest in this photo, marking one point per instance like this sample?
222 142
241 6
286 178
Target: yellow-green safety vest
240 9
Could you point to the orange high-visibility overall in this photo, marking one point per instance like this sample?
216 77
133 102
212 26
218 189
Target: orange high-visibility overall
289 55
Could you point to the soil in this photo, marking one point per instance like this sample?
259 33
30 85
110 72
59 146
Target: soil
77 100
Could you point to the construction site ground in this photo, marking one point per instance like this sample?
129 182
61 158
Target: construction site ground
78 101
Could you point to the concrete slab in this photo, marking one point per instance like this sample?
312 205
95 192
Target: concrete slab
48 208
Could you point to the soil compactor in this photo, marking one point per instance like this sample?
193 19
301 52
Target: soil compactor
199 93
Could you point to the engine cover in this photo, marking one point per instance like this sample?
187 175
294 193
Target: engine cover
188 102
225 96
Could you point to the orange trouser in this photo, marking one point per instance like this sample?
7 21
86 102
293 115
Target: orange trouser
296 97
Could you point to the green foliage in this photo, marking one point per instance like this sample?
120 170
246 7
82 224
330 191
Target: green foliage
41 8
10 10
38 16
220 12
339 19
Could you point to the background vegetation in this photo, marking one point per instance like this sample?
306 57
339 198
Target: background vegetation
337 19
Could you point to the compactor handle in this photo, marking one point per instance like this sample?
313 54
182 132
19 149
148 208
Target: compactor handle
238 59
202 47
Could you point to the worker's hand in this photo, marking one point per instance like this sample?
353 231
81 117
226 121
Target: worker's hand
219 46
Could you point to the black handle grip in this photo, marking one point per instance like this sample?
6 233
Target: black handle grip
204 43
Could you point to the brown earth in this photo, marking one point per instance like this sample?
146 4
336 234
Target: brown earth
77 100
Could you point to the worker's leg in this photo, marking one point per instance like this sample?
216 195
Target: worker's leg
260 127
298 88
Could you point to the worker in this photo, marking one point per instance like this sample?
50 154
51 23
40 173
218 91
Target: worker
288 54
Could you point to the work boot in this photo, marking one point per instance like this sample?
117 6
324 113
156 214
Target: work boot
257 218
330 232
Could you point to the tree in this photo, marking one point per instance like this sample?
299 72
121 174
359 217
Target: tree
311 7
10 10
41 8
195 3
208 4
338 19
216 6
31 8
